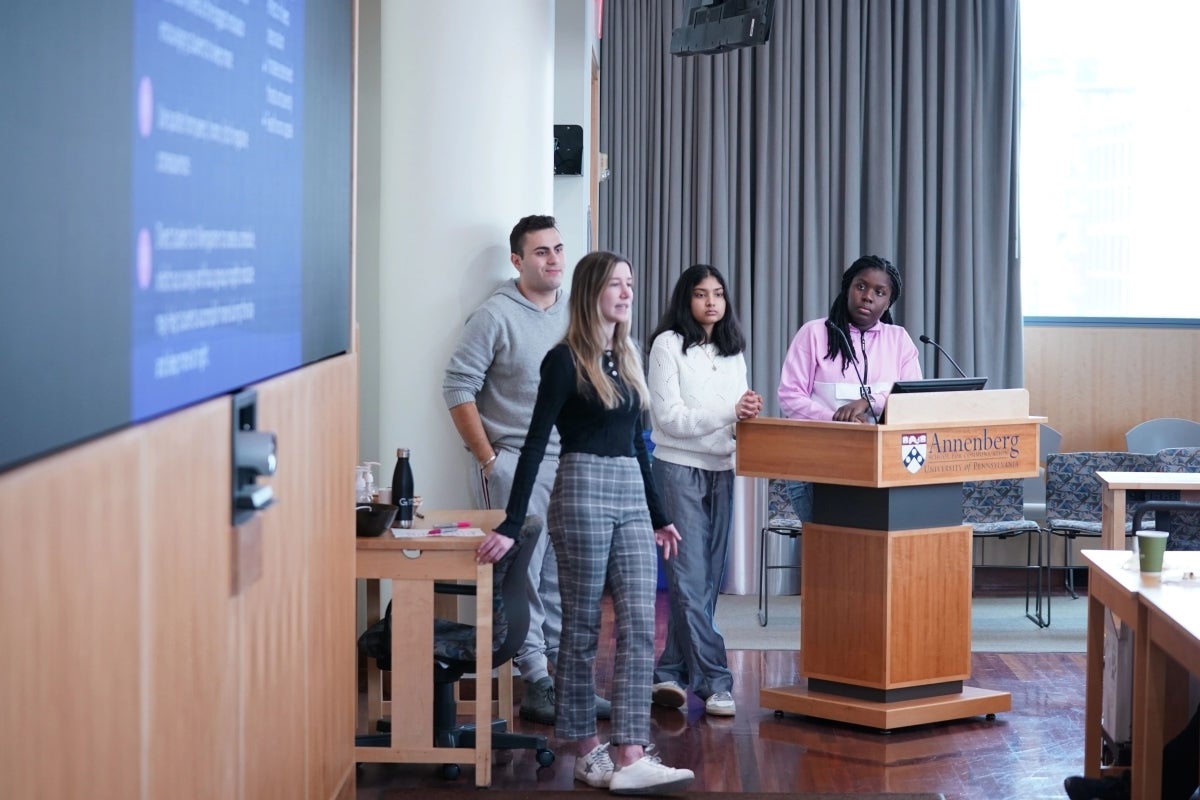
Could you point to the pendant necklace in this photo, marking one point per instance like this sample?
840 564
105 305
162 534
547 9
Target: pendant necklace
712 357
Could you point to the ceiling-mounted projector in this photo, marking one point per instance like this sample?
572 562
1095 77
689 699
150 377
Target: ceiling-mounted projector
715 26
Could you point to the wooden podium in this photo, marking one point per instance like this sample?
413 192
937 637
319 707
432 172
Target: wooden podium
885 633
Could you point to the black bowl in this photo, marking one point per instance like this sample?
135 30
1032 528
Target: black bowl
372 519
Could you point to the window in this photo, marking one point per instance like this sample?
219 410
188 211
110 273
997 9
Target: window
1110 158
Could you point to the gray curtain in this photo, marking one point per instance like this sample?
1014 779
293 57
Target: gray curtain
860 127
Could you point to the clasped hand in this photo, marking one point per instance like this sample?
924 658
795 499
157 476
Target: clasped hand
749 405
853 412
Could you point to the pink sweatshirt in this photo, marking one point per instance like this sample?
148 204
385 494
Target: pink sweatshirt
812 387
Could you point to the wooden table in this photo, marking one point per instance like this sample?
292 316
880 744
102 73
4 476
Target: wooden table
1117 484
1110 587
1165 620
1170 634
413 565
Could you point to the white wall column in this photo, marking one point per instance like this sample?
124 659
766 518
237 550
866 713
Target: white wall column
464 104
576 48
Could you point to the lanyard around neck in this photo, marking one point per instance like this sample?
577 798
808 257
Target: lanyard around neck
862 338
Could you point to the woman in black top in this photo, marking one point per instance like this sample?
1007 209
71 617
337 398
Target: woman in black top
605 519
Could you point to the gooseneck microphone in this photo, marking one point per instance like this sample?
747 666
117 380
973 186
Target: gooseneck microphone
926 340
863 390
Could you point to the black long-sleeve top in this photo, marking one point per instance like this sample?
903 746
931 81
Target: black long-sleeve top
585 426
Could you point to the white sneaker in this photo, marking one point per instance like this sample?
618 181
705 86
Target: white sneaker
669 694
720 704
596 768
648 775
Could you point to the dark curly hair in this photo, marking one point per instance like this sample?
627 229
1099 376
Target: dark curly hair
839 313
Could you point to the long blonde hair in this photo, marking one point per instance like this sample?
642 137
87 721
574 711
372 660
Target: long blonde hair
587 338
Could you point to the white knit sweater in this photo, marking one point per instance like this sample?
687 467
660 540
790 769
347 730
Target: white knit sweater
693 402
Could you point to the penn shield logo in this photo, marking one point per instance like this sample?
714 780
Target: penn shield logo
912 451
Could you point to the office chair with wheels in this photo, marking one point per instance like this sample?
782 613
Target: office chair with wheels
1171 509
996 510
454 653
1158 434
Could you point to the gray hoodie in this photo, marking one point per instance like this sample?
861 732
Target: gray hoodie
497 363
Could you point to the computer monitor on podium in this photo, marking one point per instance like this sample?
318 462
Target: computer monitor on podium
939 385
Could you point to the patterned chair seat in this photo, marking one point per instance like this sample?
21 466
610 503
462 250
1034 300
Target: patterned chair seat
454 641
996 510
1184 526
780 513
782 520
996 507
1074 499
1080 527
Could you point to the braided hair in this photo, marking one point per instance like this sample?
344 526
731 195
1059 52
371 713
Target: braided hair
839 313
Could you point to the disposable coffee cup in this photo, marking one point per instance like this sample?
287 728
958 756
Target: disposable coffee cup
1151 546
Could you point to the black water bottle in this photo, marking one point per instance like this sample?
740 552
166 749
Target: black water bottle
402 488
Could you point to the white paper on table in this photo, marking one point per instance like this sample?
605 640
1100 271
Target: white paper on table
421 533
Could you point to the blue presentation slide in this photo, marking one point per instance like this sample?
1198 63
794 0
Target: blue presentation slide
217 193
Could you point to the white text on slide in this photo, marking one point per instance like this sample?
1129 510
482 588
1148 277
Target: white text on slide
214 15
173 364
166 163
205 130
194 319
203 279
198 237
190 44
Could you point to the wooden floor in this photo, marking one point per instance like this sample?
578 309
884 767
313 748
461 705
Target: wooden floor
1021 755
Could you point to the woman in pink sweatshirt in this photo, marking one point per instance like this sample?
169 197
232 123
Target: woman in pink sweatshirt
842 367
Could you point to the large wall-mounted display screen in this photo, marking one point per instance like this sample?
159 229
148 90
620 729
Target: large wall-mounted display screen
175 222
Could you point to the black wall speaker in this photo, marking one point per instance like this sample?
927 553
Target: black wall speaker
568 149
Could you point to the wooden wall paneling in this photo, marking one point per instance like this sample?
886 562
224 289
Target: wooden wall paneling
190 681
70 568
1094 384
333 657
273 639
297 635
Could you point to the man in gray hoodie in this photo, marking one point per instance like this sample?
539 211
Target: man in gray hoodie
490 387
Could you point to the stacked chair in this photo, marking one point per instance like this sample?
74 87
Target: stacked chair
1182 523
996 510
1165 432
1074 501
781 521
1049 441
1073 498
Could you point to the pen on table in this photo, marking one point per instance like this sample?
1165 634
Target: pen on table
446 527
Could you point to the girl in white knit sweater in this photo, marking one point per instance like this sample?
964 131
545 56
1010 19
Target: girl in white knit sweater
698 392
